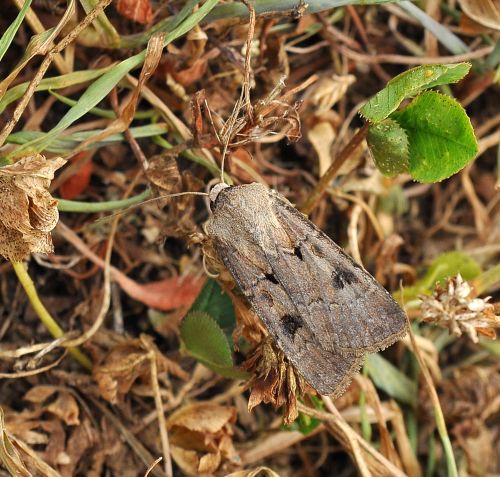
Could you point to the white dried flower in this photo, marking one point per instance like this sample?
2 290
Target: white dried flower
455 308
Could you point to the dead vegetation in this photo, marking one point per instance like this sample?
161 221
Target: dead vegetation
108 109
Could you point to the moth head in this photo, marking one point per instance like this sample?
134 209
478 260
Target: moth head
215 191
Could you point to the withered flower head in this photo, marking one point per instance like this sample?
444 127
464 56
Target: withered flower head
274 380
28 213
455 307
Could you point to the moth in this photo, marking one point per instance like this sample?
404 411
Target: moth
322 309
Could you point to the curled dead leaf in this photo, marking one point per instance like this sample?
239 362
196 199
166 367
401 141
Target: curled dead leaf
29 212
64 406
163 174
201 437
327 91
484 12
128 362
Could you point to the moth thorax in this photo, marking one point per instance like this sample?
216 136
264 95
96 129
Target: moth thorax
215 191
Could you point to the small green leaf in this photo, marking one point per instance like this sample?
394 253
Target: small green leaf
446 265
390 379
304 424
217 304
450 264
409 84
388 144
204 340
440 134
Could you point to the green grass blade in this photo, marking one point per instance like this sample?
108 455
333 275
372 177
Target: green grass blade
98 90
10 33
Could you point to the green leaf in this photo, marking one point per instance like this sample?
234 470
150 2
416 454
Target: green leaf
390 379
10 33
446 265
204 340
68 143
440 134
55 82
409 84
213 301
388 144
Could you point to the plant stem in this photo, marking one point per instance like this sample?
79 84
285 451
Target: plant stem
282 7
45 317
93 207
329 175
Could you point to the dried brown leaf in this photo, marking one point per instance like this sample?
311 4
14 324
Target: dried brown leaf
327 91
65 408
29 212
203 417
201 437
163 174
484 12
128 362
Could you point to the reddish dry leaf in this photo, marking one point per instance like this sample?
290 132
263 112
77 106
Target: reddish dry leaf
139 11
78 182
29 212
191 74
167 294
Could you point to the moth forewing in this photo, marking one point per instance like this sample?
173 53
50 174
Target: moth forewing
323 310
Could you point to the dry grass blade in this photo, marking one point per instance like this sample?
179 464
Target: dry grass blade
371 460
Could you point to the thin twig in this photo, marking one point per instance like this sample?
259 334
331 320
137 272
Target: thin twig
330 174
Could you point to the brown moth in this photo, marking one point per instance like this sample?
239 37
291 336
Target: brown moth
322 309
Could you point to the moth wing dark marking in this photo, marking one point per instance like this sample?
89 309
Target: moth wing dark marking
327 371
361 316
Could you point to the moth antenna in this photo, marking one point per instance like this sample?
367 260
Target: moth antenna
153 199
244 99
